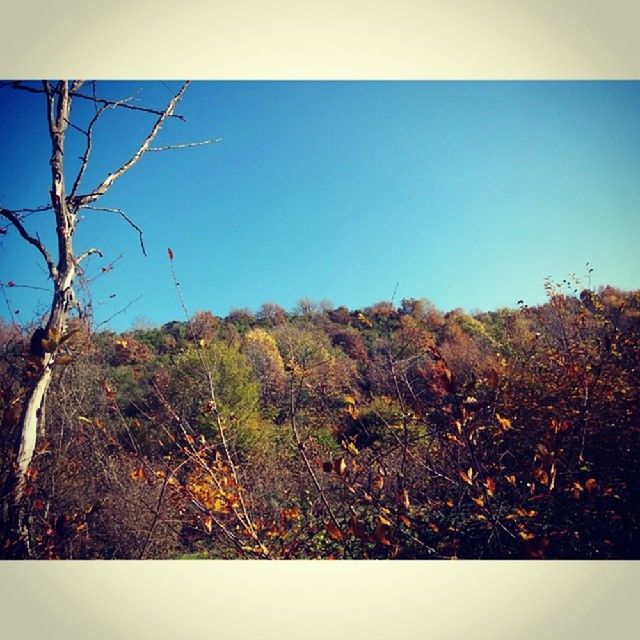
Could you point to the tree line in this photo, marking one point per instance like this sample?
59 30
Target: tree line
394 431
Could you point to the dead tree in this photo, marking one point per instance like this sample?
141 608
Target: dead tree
66 202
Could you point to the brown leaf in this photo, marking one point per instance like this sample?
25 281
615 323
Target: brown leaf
378 482
334 532
493 379
542 476
381 534
170 254
356 529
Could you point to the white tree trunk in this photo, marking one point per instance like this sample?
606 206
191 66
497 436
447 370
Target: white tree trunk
29 425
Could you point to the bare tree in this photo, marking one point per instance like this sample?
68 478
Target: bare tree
66 201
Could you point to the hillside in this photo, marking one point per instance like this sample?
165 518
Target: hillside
393 431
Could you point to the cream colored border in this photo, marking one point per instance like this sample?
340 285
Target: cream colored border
346 40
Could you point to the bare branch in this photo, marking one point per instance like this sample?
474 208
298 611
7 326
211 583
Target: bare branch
102 188
121 213
107 103
89 252
117 313
186 145
35 241
45 207
84 159
28 286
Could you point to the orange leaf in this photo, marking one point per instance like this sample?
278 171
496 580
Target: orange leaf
505 423
137 474
403 498
490 486
590 485
479 501
208 523
467 476
511 480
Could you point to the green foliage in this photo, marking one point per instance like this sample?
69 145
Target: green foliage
217 373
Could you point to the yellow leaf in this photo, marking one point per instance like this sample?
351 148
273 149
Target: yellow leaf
340 466
364 320
208 523
352 449
505 423
385 521
526 535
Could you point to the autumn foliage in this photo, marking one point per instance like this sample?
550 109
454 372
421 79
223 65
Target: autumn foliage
386 432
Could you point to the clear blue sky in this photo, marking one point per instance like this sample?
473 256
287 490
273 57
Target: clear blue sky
466 193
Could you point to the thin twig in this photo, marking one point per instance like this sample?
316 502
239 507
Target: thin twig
117 313
35 241
121 213
107 103
186 145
